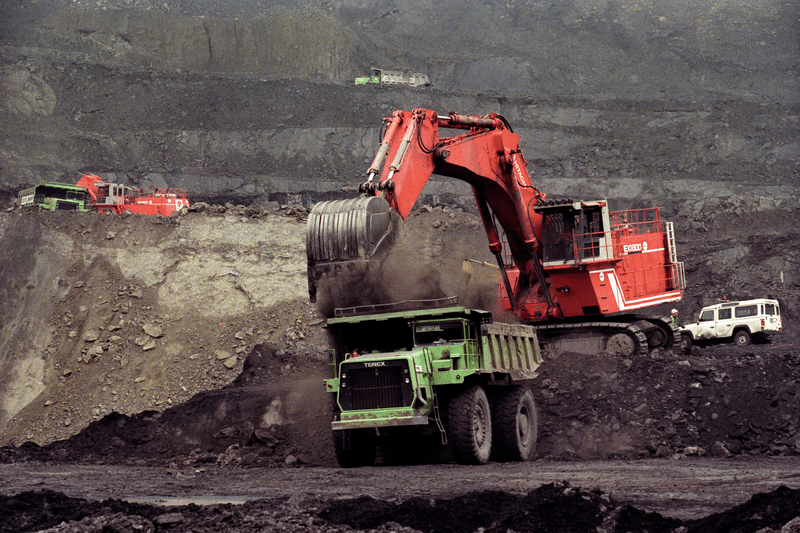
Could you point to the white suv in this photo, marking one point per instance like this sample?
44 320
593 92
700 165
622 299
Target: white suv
738 322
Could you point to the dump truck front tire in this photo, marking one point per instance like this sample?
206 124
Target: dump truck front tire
515 425
470 426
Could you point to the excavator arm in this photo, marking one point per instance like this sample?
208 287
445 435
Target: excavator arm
486 155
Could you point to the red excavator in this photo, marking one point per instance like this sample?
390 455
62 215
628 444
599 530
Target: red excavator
118 198
572 268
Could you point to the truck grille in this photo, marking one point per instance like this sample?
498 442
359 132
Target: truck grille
375 388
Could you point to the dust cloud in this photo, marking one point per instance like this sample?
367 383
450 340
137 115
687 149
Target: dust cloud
427 262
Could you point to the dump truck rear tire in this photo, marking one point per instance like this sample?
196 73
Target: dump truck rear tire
354 447
470 426
515 425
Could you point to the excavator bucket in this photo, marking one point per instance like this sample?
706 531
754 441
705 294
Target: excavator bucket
348 236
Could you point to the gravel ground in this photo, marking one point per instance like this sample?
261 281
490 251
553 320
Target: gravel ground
699 494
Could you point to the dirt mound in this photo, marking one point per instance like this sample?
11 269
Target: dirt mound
269 415
550 508
718 401
129 314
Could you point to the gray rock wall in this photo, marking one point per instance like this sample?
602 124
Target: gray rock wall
251 101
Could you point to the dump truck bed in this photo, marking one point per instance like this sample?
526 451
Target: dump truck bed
511 349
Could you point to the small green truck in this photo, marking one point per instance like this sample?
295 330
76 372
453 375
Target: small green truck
378 76
413 376
55 197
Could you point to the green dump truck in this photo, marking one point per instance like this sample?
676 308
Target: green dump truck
55 197
411 377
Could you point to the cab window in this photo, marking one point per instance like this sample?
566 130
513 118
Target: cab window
438 333
706 316
746 310
724 314
558 230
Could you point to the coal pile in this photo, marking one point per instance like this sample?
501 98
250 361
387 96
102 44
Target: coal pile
551 508
718 401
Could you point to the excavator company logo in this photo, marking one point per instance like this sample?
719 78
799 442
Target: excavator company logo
371 365
633 248
520 174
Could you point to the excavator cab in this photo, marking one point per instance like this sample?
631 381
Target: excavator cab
348 236
574 232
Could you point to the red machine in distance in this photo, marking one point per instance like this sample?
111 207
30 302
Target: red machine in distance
118 198
567 266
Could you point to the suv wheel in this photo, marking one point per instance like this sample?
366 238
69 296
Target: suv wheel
686 343
741 338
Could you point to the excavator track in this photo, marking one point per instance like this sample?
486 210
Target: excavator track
592 338
672 335
636 335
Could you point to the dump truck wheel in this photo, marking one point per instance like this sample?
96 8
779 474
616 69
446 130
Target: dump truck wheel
515 425
354 448
470 426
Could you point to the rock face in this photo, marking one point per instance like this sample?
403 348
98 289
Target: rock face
254 101
93 326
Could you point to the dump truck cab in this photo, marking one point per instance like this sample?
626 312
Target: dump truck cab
395 359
